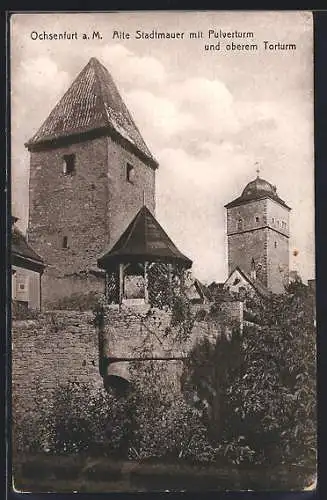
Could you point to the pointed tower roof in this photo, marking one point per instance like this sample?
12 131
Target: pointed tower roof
92 104
144 239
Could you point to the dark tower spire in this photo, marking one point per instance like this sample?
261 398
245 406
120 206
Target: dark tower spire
92 104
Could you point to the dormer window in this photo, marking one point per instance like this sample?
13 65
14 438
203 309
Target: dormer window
69 164
130 173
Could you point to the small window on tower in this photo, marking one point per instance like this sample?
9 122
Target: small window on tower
240 224
65 242
257 219
130 173
273 220
275 244
253 270
69 164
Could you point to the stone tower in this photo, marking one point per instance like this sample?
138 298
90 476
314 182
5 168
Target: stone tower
258 235
90 171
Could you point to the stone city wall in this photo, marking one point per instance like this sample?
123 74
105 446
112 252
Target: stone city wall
56 348
65 346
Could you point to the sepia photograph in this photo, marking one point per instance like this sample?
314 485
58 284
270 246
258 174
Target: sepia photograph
163 292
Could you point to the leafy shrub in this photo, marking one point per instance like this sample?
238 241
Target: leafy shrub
261 385
83 420
77 419
152 421
28 424
165 426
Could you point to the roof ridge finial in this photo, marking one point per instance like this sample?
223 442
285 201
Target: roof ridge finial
257 169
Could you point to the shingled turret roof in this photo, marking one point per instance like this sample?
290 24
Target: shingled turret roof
144 240
257 190
92 103
22 254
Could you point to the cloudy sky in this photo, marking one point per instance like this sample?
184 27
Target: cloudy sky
208 116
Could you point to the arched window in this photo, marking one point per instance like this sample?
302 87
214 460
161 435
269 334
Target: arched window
65 242
130 173
253 269
240 224
257 219
69 164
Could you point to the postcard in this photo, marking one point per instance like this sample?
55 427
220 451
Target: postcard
162 251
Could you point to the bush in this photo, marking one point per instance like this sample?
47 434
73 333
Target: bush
260 385
152 421
78 419
29 431
164 425
85 420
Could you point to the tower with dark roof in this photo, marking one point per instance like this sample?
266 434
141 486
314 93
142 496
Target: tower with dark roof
258 235
90 170
143 252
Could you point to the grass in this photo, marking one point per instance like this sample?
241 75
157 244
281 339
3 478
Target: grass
63 474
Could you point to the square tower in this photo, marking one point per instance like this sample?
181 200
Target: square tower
90 171
258 235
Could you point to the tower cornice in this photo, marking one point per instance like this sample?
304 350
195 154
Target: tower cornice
243 201
266 226
82 136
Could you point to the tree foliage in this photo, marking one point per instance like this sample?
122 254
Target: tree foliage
152 421
78 418
260 385
249 397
